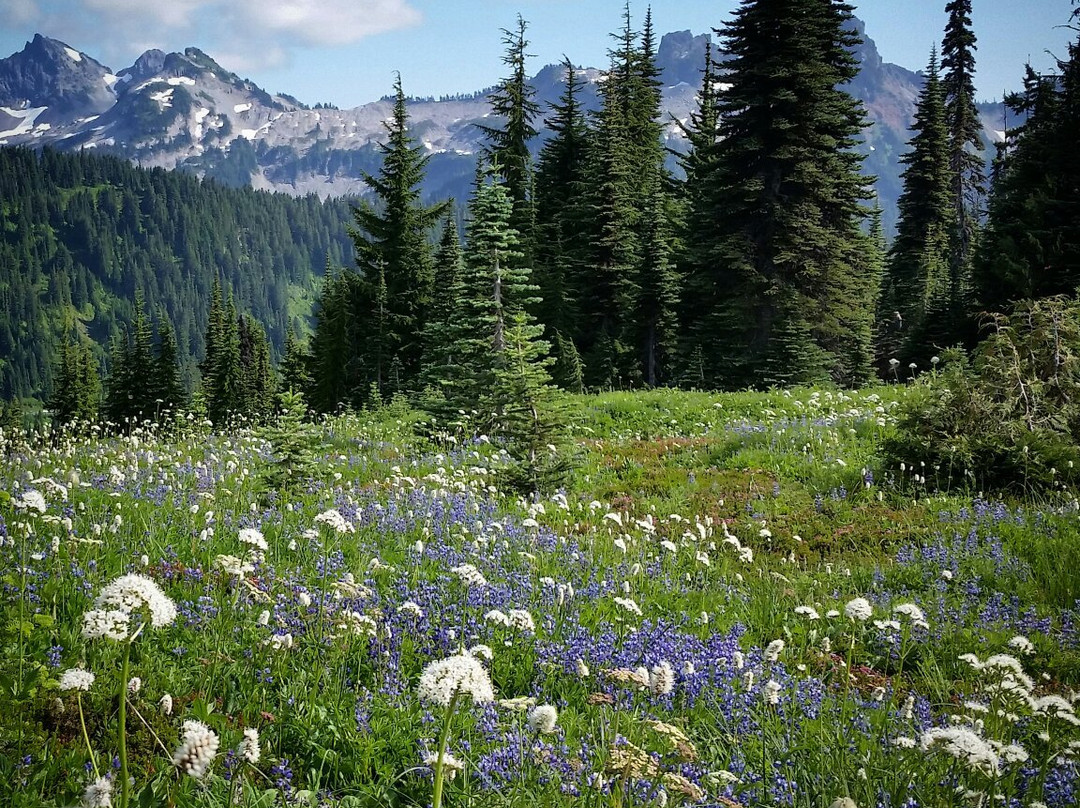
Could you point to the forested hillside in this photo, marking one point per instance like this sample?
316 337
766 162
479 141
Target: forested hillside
80 233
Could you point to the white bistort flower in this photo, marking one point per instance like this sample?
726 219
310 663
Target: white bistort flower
98 794
250 535
249 746
771 692
858 609
809 612
662 678
197 750
964 745
165 704
520 620
111 624
542 718
335 521
133 594
76 679
772 652
462 673
451 765
1022 645
469 575
629 604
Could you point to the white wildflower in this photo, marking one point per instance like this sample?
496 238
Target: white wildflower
136 593
112 624
964 745
231 565
197 750
165 704
629 604
249 746
451 765
31 500
581 668
98 794
335 521
910 611
771 692
809 612
469 575
134 685
858 609
76 679
443 679
412 609
521 620
1022 645
772 652
542 719
250 535
662 678
481 651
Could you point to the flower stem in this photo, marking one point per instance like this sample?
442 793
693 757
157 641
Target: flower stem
444 733
86 737
121 735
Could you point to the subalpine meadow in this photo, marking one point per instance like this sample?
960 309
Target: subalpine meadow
729 603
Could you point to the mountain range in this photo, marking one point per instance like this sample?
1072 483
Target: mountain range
185 111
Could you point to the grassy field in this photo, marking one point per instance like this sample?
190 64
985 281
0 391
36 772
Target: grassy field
731 603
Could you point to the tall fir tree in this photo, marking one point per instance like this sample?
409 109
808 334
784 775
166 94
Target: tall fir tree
1031 244
395 259
492 289
294 370
76 395
967 167
784 271
168 386
563 227
513 102
438 339
338 377
916 290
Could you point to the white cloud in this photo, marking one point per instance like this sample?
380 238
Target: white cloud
241 34
19 12
325 22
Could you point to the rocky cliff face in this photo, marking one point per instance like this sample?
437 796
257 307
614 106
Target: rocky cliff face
183 110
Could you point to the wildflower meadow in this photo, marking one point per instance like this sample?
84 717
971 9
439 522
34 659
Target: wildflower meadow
731 602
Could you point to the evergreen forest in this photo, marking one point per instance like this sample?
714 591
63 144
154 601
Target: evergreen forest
760 262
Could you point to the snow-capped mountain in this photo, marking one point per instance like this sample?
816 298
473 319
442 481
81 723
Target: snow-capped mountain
183 110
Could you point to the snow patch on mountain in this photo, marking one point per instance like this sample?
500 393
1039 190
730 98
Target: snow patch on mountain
73 54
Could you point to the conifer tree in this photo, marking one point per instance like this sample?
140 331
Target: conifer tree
917 280
966 163
438 339
783 270
293 446
338 378
394 256
167 386
1031 245
513 101
493 288
77 387
294 369
563 226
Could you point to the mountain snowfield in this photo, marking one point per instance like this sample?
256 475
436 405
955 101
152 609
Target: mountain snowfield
183 110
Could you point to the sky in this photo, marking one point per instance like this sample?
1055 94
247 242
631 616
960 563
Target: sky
345 52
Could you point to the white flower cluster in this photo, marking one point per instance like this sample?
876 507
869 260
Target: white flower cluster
197 750
469 575
98 794
773 651
31 500
334 520
353 622
119 600
629 604
542 719
771 692
253 537
249 746
858 609
231 565
662 678
451 765
462 673
965 745
76 679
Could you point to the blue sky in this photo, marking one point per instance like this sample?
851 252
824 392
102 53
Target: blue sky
345 51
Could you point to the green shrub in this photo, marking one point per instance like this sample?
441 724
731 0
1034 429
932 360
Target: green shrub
1010 418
